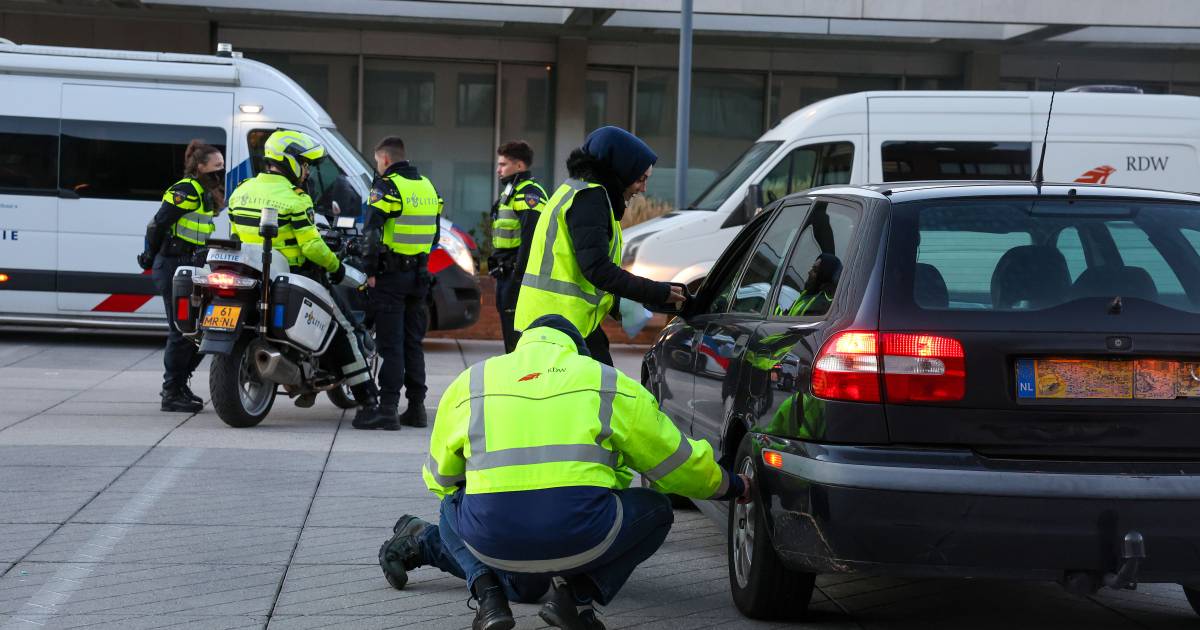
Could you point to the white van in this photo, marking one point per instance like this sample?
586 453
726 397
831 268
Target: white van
1147 141
90 139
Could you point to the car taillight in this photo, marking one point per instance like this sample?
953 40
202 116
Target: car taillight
901 367
923 368
847 368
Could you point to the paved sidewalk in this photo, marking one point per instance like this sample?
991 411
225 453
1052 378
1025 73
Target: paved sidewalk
115 515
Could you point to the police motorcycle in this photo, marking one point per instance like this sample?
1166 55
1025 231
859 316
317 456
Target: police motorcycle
264 336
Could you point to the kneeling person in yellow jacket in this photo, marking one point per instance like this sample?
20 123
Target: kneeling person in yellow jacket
531 453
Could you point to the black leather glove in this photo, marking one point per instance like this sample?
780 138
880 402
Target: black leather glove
145 260
336 275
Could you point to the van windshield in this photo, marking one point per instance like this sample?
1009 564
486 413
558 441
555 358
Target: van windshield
368 170
734 176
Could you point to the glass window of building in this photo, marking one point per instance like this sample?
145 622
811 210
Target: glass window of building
727 116
608 98
526 113
445 113
332 81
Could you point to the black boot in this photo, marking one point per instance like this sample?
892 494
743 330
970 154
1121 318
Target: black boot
187 392
306 400
400 553
562 611
175 400
414 415
493 612
375 417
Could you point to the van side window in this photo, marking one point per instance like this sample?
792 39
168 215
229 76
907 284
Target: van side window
28 155
911 160
809 166
815 267
110 160
767 261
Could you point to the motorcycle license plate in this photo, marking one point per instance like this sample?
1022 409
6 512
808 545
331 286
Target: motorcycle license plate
220 317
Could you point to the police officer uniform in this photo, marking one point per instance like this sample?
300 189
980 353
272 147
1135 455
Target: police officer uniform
175 237
300 242
514 219
407 209
533 453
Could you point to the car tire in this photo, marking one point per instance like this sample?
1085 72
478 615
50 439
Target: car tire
762 587
1193 597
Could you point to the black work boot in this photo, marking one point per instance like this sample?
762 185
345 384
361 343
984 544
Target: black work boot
414 415
400 553
187 392
375 417
175 400
306 400
493 612
562 611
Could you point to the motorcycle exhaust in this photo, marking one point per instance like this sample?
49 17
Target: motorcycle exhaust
273 366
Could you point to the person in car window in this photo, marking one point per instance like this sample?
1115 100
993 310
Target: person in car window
529 454
176 237
574 265
819 286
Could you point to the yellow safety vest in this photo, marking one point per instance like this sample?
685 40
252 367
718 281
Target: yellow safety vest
298 238
197 225
545 416
506 227
412 211
553 282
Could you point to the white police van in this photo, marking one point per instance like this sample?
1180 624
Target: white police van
1097 136
90 139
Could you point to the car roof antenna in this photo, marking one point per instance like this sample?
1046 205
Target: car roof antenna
1039 176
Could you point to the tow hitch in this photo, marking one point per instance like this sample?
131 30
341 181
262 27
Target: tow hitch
1133 551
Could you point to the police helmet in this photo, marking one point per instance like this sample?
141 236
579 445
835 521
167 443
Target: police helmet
289 149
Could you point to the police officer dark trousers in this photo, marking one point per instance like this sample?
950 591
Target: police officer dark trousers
176 237
514 218
406 208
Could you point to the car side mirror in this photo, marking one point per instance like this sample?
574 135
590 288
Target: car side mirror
753 203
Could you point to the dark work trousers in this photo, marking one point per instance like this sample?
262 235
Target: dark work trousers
646 520
597 345
181 356
507 285
401 319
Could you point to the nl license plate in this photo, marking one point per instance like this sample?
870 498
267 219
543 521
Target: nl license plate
1093 379
220 317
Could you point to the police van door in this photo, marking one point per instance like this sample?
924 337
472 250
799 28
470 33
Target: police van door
28 196
121 148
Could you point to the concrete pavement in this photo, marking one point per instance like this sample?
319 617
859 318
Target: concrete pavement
115 515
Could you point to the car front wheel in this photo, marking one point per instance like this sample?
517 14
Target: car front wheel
763 588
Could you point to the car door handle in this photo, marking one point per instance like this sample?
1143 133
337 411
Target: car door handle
740 344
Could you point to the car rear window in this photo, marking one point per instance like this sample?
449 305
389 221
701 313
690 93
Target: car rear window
1027 256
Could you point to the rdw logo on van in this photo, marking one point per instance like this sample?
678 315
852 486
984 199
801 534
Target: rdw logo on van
1146 162
1098 175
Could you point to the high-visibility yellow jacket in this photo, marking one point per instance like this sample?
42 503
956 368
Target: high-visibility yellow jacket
197 225
545 417
410 208
298 238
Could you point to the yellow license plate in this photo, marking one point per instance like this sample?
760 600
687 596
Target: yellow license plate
221 317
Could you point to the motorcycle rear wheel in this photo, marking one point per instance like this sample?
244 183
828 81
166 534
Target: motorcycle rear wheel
241 397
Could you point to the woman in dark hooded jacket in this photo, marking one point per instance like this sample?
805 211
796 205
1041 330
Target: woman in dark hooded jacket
575 277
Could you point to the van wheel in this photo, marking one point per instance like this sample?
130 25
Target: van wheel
763 588
1193 597
240 396
342 397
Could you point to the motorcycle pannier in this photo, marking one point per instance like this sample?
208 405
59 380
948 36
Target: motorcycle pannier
185 312
300 314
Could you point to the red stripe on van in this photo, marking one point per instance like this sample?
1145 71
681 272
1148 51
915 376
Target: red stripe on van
122 303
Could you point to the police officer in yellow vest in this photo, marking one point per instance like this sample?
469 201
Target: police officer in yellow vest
287 158
514 219
574 266
177 236
406 209
531 454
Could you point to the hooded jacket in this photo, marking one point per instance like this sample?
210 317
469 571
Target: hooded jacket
614 163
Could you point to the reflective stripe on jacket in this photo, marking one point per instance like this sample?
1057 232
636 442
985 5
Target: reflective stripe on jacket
197 225
506 225
298 238
411 211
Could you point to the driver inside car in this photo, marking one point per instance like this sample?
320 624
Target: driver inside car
288 157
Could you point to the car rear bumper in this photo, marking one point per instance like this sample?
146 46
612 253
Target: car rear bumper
919 512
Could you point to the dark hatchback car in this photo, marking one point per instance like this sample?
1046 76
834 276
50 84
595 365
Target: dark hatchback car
961 379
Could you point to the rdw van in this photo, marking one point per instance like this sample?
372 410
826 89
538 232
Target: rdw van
1129 140
90 139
